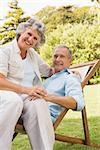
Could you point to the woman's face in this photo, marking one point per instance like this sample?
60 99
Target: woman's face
29 38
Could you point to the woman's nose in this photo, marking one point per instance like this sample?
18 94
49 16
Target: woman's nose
31 40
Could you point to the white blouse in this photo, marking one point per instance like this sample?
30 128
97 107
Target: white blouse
30 77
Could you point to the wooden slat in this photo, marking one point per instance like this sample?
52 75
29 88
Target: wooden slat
95 145
60 118
68 139
85 127
91 73
91 63
75 140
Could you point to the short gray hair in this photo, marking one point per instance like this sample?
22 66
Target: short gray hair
64 46
32 23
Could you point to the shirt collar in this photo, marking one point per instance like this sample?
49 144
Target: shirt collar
15 45
64 70
61 72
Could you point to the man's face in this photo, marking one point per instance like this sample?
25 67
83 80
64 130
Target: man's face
61 59
29 38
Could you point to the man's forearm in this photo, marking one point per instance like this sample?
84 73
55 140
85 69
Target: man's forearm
65 101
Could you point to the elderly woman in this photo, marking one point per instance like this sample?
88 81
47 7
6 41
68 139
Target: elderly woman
20 68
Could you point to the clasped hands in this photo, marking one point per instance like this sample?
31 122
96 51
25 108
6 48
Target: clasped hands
36 92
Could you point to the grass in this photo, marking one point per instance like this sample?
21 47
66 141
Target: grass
72 125
76 131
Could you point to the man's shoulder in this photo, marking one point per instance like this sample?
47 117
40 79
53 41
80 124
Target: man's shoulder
70 76
68 73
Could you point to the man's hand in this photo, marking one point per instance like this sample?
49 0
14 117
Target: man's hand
36 92
48 97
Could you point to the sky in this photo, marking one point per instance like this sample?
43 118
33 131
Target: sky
32 6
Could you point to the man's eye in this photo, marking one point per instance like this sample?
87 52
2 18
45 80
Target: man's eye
55 56
62 56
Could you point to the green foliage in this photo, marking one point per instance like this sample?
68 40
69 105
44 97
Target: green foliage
68 14
13 18
82 39
78 28
98 1
42 14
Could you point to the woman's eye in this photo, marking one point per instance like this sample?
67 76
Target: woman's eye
35 38
29 34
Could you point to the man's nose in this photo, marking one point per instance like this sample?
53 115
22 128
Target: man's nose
58 58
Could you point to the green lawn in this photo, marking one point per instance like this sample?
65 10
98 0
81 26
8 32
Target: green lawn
72 124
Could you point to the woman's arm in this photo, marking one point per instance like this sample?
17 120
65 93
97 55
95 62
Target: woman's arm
10 86
44 68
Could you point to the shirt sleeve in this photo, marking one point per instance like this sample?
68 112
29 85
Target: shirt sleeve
3 62
43 67
73 89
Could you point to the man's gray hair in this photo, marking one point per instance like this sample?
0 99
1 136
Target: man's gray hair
32 23
64 46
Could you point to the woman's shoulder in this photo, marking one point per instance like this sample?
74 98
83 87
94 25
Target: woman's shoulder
33 53
6 45
7 48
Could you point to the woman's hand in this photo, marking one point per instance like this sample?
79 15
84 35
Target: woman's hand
77 73
52 71
36 92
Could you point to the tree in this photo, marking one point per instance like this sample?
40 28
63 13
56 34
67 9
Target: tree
13 18
98 1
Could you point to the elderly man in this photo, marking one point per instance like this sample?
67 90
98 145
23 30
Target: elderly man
64 87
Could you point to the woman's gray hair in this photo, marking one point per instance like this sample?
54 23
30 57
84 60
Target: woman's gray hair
64 46
32 23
